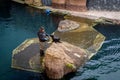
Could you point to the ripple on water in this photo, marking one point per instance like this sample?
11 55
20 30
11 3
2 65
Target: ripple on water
107 60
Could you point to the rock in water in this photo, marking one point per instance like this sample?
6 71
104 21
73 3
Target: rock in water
76 47
67 25
63 58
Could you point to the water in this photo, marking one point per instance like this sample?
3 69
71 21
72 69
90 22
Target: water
23 22
18 24
105 65
110 5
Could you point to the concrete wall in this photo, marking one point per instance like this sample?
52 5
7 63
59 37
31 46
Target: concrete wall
109 5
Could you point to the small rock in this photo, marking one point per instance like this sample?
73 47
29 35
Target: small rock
67 25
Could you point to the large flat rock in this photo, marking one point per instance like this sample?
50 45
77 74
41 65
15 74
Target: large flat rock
27 56
85 36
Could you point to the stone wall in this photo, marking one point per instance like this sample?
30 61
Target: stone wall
74 5
109 5
58 4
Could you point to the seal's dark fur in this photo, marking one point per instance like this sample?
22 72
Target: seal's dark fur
55 39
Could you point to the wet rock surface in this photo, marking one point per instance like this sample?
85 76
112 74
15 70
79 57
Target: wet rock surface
85 36
27 56
63 58
67 25
76 47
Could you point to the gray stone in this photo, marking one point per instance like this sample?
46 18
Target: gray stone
27 56
67 25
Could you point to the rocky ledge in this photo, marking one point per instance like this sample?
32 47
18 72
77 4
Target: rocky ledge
60 58
67 25
78 44
63 58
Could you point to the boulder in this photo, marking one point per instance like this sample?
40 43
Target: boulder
67 25
63 58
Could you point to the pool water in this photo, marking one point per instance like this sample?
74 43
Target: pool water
105 65
18 24
22 22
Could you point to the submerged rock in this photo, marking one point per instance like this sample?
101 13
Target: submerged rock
63 58
27 56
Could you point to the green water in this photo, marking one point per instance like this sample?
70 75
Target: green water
22 22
